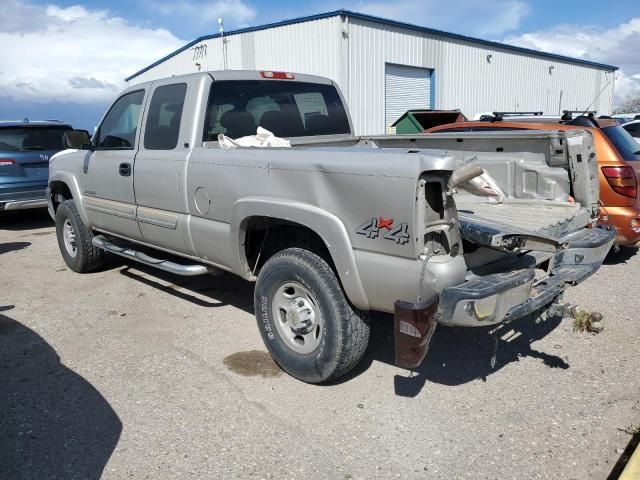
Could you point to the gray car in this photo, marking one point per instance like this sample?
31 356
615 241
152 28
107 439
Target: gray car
335 226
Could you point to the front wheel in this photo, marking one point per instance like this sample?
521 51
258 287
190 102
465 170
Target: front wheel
309 327
74 240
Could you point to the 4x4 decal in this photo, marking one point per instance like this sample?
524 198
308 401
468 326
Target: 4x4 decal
371 229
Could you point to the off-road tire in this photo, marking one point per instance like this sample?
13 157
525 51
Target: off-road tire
88 258
345 331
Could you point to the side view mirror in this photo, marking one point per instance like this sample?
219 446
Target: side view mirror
78 139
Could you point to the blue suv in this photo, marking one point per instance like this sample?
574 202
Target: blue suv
25 150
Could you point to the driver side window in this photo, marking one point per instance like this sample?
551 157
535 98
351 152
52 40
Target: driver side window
120 125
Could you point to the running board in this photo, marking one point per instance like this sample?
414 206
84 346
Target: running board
100 241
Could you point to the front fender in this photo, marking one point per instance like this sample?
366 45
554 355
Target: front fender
69 179
329 227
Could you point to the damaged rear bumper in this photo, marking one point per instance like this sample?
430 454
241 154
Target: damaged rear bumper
508 295
499 296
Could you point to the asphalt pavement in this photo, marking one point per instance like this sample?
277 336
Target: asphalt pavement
135 373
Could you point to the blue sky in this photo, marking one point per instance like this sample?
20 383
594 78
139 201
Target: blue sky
67 59
538 14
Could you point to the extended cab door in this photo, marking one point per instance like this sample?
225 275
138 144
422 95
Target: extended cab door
107 183
161 162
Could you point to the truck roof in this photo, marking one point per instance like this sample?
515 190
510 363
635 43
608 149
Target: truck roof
245 75
34 123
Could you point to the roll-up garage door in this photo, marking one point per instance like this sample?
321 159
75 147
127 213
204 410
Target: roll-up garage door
406 88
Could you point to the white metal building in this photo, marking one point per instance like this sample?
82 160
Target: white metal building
385 67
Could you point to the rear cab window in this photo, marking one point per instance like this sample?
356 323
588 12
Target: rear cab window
32 137
626 146
285 108
164 116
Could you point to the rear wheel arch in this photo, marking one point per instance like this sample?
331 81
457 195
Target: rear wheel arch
313 228
264 237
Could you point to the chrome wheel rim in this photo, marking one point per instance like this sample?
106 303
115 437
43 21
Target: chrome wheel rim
297 317
69 237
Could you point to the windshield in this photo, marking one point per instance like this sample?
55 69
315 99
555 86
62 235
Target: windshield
32 138
627 147
288 109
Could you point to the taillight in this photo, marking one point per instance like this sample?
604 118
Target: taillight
622 180
7 161
278 75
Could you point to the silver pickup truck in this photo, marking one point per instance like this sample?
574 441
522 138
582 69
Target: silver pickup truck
334 226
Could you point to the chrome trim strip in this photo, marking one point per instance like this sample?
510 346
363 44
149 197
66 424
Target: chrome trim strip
159 218
110 207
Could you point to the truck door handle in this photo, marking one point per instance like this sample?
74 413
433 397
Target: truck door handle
124 169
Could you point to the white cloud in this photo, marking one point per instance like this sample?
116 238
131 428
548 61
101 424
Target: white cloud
205 14
72 54
626 85
69 14
616 46
487 18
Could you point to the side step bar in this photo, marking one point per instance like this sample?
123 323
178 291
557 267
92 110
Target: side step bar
100 241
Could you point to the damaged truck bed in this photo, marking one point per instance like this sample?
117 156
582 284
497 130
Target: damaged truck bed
523 247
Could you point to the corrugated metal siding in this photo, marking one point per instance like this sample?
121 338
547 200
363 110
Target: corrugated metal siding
464 78
311 47
405 88
354 54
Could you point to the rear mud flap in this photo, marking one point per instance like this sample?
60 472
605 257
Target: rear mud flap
486 233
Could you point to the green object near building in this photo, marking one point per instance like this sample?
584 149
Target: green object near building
417 121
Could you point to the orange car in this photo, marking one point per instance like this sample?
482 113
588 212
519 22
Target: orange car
618 158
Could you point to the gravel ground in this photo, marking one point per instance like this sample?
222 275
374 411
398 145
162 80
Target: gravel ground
133 373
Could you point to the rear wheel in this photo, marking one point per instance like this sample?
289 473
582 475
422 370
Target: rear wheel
74 240
305 320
